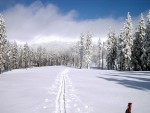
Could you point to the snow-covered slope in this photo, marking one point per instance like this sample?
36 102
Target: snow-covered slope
59 89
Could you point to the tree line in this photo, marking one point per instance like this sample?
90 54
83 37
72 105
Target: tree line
14 56
130 50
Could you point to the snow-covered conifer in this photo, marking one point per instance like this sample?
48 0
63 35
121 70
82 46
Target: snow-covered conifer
111 50
44 57
76 52
81 49
20 57
39 56
8 56
32 57
2 42
120 52
26 56
138 52
146 44
74 55
99 52
14 56
103 47
88 50
128 34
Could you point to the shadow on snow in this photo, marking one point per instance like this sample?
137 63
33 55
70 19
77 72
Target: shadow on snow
132 81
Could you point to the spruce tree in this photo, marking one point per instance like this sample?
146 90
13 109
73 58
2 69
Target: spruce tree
120 52
14 56
88 50
138 52
26 56
31 57
39 56
99 52
81 50
146 44
111 50
8 56
128 34
20 57
2 43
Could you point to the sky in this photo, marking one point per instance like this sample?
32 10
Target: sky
44 21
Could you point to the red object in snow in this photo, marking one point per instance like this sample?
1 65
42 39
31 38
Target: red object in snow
128 110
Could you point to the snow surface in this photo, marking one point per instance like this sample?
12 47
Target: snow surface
59 89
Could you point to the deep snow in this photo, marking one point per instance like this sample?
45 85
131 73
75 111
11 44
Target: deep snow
59 89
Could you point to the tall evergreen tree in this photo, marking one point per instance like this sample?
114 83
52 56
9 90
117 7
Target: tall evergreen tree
81 50
138 58
77 57
120 52
20 57
103 44
99 52
32 57
2 43
8 56
14 56
44 57
88 50
39 56
146 45
26 56
128 33
112 50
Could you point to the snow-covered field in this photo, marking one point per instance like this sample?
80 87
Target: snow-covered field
59 89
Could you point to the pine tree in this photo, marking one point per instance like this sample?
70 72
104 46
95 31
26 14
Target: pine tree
44 57
81 50
146 44
20 57
7 56
14 56
26 56
103 44
74 55
2 42
39 56
77 55
88 50
138 52
108 57
120 52
99 52
128 33
112 50
32 57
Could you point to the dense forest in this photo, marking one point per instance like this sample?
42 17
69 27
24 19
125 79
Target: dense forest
129 50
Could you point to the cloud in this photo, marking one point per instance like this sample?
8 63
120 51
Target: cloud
38 23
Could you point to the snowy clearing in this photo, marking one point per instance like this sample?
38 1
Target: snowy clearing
59 89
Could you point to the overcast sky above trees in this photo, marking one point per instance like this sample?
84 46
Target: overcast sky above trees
47 21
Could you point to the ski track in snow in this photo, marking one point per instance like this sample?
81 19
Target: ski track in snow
64 95
60 100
